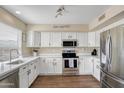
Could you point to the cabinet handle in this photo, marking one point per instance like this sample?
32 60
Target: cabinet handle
27 72
97 66
34 67
44 60
24 67
79 62
69 36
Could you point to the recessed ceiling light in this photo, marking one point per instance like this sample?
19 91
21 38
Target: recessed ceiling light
18 12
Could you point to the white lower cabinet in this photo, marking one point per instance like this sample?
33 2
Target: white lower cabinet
50 66
85 65
57 65
28 73
31 73
96 73
81 66
43 66
23 77
88 65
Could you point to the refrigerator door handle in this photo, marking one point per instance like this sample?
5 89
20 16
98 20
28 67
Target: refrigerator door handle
113 77
110 51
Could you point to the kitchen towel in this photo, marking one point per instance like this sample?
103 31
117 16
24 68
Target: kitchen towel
71 63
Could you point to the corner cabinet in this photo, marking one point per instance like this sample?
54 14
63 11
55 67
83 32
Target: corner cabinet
29 38
33 39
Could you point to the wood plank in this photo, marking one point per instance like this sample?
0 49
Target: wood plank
84 81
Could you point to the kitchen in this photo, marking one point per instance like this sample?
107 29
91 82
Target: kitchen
61 48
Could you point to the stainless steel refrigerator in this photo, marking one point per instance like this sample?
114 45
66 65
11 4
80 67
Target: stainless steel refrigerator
112 58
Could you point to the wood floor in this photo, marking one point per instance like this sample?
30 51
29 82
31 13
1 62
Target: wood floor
65 82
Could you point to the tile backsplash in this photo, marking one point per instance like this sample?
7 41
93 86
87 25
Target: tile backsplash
59 50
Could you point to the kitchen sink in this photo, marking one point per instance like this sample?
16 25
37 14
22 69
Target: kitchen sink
16 62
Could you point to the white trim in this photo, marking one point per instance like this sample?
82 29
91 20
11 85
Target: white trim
120 22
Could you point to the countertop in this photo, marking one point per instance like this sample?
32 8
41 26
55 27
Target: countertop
6 68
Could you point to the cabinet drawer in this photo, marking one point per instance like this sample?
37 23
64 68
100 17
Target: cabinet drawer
23 69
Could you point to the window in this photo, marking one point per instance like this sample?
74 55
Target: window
10 38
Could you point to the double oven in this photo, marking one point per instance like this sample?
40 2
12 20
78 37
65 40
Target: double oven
70 62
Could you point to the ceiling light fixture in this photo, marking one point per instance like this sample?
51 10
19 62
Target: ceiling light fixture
18 12
60 11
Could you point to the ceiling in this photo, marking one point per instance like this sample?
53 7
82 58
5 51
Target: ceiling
45 14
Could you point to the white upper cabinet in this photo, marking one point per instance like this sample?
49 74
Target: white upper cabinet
97 38
55 39
82 38
69 35
37 39
33 39
30 39
45 39
91 39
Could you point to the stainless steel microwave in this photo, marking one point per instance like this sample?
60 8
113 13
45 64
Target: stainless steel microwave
71 43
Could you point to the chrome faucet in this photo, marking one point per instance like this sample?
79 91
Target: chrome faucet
11 50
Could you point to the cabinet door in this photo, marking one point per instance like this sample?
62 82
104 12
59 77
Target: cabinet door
97 39
45 39
58 66
91 39
35 70
23 80
69 35
33 39
81 66
96 69
23 77
43 66
50 64
38 66
82 38
88 65
29 39
37 39
55 39
31 73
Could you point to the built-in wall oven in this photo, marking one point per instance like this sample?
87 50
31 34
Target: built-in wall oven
70 63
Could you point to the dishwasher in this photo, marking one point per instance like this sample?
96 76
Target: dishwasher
10 80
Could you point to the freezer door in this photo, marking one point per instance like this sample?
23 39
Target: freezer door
116 65
104 50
